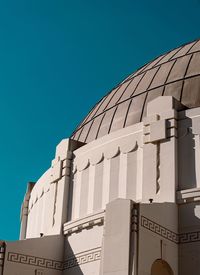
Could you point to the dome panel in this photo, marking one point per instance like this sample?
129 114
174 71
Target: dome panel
116 97
179 69
194 67
175 73
191 92
96 125
150 96
107 122
118 121
134 112
106 101
184 50
133 83
162 74
146 81
174 89
195 47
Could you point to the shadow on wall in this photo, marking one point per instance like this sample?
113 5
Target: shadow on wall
71 262
161 232
168 239
38 256
188 150
70 198
160 238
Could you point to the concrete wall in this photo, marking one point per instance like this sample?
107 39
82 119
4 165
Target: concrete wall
132 163
158 236
154 163
189 149
106 169
47 207
42 256
188 196
83 245
189 230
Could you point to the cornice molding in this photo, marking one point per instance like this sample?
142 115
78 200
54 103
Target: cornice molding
85 223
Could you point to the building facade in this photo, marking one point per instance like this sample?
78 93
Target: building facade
122 195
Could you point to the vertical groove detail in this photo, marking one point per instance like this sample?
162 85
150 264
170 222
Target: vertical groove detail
158 168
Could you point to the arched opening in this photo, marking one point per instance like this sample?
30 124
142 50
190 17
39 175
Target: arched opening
160 267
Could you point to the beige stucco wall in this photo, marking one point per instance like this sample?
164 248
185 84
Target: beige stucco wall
154 165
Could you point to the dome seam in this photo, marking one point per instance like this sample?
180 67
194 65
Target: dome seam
130 98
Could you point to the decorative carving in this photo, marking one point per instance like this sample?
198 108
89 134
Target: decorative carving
112 152
56 170
60 168
159 230
127 145
188 195
86 223
134 224
158 169
72 261
82 258
157 129
162 231
2 253
42 187
55 202
107 151
189 237
82 164
35 261
96 158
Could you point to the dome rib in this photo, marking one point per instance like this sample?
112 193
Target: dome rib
175 73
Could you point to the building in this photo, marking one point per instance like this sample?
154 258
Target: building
122 195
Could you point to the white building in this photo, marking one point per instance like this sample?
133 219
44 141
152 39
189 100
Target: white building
122 196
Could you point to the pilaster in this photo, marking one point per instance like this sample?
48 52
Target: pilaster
160 150
60 179
2 256
116 251
24 211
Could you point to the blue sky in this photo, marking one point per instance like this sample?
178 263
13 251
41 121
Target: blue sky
57 58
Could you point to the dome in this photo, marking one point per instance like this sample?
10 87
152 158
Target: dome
175 73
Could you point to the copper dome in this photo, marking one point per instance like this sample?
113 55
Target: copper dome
175 73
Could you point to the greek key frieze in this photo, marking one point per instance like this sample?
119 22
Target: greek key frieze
89 256
159 230
189 237
168 234
75 260
36 261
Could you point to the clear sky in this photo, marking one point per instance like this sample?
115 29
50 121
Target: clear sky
57 58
